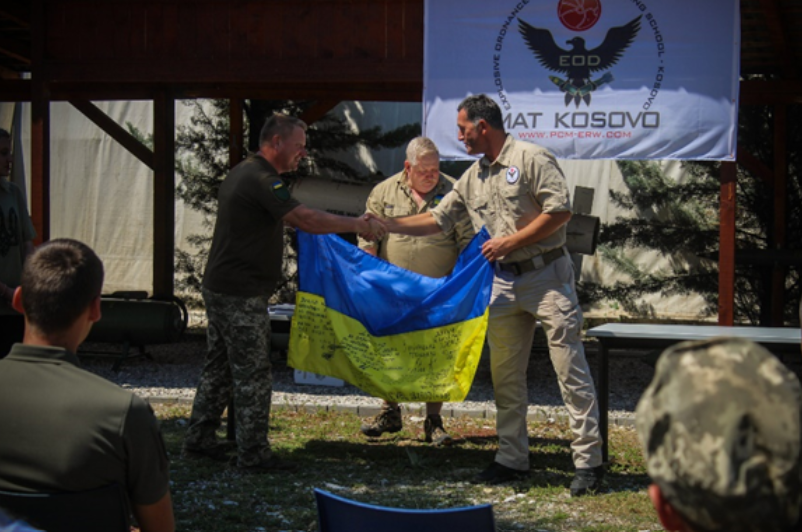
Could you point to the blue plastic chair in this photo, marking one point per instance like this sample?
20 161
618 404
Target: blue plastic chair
338 514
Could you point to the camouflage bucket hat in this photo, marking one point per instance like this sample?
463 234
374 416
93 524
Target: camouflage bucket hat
720 427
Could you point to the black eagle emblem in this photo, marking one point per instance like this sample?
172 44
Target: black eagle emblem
579 63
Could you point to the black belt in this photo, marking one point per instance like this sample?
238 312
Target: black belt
535 263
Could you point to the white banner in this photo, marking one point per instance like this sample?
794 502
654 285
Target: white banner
589 79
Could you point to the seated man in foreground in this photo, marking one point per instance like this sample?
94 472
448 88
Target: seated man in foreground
721 425
65 429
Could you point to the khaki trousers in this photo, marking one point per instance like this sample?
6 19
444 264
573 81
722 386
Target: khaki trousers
548 295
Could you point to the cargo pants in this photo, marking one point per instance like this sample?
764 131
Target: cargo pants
238 362
548 295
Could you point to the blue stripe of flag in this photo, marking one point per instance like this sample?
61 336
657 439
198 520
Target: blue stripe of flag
388 299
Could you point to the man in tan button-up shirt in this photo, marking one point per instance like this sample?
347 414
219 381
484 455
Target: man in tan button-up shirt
519 193
416 189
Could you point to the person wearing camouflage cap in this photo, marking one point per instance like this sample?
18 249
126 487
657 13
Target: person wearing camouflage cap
721 429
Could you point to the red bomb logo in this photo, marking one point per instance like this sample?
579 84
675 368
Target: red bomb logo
579 15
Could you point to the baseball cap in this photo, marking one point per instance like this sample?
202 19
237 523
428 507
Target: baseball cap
721 429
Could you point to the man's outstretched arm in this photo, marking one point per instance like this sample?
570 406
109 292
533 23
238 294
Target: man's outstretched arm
417 225
320 222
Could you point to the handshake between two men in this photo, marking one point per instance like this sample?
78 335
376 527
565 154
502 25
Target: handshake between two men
377 227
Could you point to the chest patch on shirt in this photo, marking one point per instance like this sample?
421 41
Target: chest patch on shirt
280 191
513 174
436 200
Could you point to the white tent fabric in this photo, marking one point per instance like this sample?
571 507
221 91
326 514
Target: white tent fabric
103 195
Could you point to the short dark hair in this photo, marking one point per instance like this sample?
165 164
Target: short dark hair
60 279
279 124
481 107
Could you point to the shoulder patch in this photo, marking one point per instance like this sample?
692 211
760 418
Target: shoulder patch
280 191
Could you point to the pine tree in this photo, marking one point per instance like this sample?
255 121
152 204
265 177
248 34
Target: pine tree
680 220
202 164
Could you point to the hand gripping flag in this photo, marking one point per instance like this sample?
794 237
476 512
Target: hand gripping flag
393 333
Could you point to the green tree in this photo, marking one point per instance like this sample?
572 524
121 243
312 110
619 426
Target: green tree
680 220
202 164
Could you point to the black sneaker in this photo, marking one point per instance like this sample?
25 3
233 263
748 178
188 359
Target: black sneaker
388 420
587 481
434 431
270 465
498 474
219 452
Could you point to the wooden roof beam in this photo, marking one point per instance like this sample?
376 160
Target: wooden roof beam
15 11
16 49
779 38
20 90
115 131
15 90
757 92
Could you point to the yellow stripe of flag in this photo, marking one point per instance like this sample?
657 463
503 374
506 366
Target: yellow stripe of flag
430 365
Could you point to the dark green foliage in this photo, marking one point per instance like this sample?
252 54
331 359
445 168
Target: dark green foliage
680 220
677 219
202 163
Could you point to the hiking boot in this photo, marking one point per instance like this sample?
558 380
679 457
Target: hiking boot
270 465
587 480
219 452
388 420
434 431
498 474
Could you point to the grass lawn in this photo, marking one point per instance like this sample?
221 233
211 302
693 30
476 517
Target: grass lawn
402 471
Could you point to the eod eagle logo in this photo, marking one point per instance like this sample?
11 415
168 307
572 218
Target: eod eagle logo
582 66
579 63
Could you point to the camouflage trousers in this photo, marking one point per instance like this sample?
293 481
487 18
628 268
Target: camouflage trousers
238 363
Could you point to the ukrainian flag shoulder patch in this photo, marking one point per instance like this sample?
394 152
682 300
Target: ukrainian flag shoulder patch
280 191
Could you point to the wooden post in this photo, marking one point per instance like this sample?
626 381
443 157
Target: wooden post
726 252
163 194
236 132
40 129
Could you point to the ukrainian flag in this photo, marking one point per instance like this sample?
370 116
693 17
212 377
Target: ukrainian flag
393 333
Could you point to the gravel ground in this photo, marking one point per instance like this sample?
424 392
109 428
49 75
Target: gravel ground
171 372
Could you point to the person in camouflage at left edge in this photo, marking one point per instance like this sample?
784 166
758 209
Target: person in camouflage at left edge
16 243
721 428
243 269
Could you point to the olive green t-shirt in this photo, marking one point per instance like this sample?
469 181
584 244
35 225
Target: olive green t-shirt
65 429
248 242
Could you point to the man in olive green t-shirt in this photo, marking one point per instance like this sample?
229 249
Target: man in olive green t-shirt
16 242
244 267
64 428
